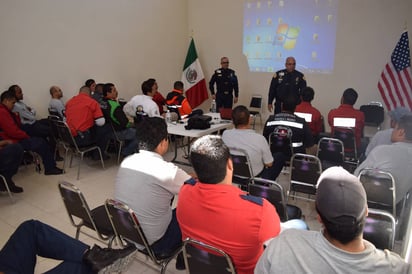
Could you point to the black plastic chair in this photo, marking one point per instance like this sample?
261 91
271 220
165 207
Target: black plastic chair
280 140
347 136
305 170
330 152
273 192
380 229
69 143
374 114
242 168
380 189
201 258
81 216
128 230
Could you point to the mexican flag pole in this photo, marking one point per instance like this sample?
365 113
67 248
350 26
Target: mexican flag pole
193 78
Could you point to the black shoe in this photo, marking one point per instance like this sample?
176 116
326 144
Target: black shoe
54 171
180 262
108 260
16 189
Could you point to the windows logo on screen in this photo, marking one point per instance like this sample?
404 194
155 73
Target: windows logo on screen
286 36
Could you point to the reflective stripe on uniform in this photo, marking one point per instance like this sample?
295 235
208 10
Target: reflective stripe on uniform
284 123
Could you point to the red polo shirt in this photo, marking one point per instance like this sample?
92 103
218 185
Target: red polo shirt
81 111
316 123
347 111
220 215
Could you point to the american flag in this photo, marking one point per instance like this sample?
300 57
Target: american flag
395 84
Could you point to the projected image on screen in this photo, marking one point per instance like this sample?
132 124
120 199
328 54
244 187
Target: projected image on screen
305 29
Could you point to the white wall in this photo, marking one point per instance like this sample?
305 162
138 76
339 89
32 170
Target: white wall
47 42
367 32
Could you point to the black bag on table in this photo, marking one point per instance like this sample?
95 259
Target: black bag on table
198 122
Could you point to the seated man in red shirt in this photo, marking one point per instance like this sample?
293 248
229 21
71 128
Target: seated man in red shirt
86 122
10 129
311 114
346 110
215 212
176 97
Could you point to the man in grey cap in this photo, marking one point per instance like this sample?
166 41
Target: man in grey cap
383 137
339 247
395 158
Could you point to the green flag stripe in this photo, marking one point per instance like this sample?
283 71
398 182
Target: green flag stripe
191 55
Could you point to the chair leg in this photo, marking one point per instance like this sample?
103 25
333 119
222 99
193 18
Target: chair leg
120 151
80 163
101 157
7 188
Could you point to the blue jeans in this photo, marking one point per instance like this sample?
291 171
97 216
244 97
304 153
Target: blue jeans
271 173
171 240
128 135
33 238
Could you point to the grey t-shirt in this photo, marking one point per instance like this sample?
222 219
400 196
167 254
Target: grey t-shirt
299 251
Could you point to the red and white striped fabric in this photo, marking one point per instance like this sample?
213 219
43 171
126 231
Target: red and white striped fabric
395 84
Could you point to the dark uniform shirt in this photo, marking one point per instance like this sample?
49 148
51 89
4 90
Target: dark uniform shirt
226 83
284 82
301 134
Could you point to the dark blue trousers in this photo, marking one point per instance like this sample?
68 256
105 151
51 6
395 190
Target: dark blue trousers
39 145
10 159
33 238
171 240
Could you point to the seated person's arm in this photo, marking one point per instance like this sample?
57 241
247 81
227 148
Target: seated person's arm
100 121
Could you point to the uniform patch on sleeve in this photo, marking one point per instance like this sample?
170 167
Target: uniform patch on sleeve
191 181
253 199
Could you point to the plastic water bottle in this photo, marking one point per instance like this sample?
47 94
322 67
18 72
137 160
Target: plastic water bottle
213 107
168 116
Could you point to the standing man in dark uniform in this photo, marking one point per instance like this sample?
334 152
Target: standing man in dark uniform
283 82
226 83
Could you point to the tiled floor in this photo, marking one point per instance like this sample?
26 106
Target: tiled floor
42 201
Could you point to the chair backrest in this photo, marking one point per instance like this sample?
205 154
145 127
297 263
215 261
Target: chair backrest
273 192
347 136
242 167
280 140
331 150
380 189
202 258
77 206
74 201
374 113
54 112
65 134
256 102
380 229
126 226
305 170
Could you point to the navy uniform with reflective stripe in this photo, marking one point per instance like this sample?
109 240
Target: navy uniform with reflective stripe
226 83
284 82
301 134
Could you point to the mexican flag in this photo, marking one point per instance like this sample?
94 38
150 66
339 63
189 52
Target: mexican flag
193 78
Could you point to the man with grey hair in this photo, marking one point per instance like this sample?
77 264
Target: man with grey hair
383 137
339 248
395 158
